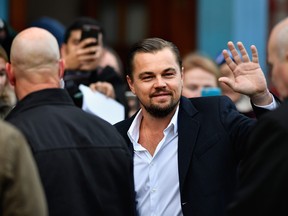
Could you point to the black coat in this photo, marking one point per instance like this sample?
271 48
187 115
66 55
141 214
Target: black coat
263 172
211 138
84 164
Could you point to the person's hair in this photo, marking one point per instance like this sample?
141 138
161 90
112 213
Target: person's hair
151 45
197 60
78 24
3 54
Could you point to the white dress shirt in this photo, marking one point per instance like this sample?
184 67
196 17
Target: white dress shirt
156 177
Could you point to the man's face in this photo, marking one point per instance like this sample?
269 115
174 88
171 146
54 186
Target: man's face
195 80
3 76
279 68
73 41
157 82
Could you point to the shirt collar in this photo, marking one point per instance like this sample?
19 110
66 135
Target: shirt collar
133 132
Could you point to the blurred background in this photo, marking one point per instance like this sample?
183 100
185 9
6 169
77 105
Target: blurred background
203 25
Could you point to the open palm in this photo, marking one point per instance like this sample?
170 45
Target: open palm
246 76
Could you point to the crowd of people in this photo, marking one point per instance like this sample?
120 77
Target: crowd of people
177 152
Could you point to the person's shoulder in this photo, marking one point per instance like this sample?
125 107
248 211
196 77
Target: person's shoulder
10 136
125 123
97 122
92 119
210 105
210 100
7 130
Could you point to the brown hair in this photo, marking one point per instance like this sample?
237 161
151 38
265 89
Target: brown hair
197 60
151 45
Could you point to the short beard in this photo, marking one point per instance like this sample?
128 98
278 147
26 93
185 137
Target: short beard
159 112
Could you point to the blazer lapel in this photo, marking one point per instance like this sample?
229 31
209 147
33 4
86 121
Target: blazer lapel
188 128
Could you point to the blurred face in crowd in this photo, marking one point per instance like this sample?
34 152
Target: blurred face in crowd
195 79
73 41
3 76
156 81
78 55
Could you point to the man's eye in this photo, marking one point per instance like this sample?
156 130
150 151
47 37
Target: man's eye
75 42
2 73
192 88
147 77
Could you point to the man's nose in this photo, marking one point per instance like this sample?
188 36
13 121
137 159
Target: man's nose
159 82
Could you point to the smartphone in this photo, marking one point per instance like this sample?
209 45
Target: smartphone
211 91
90 31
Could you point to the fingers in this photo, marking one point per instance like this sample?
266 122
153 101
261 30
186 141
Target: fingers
255 58
104 88
234 52
87 51
244 57
227 81
88 41
228 60
87 47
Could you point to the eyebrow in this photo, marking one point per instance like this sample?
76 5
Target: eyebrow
145 73
151 73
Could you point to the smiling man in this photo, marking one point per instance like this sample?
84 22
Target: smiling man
186 151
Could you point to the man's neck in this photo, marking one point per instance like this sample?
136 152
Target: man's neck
29 88
155 123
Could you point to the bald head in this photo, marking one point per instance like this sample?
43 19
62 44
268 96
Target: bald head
34 48
278 40
35 61
278 57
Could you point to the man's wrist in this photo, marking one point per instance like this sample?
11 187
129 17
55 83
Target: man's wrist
262 99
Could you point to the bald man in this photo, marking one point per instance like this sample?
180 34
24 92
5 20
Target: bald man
262 188
84 164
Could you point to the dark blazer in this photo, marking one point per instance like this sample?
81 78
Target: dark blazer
84 163
263 175
211 138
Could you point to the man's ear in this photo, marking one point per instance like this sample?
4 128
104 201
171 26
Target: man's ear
63 50
182 75
61 68
130 83
10 74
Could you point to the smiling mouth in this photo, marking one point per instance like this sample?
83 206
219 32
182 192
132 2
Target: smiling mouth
161 93
161 96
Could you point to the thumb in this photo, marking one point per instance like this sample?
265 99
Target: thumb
227 81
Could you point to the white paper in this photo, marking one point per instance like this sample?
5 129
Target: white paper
101 105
